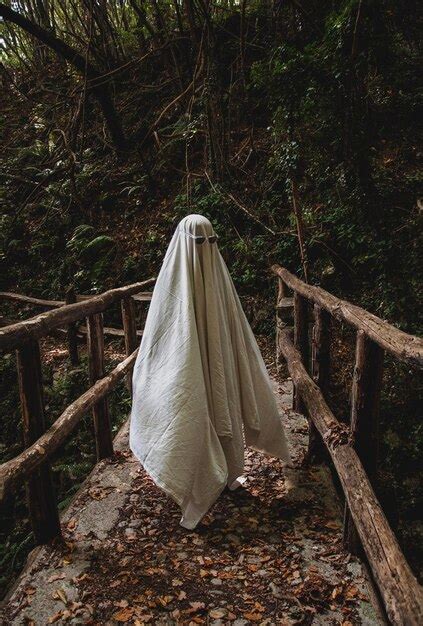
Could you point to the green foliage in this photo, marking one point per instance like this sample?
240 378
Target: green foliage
91 256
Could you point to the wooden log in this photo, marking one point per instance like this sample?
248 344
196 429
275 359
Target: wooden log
72 330
17 297
365 406
112 332
408 348
300 341
95 347
39 489
12 336
14 471
320 363
284 314
143 296
62 333
130 330
284 305
365 401
401 594
281 290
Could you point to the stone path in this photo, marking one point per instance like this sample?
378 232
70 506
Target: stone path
269 553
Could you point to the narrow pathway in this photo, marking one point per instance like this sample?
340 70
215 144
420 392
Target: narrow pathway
270 553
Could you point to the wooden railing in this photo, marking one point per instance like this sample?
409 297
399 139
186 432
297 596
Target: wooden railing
33 464
352 449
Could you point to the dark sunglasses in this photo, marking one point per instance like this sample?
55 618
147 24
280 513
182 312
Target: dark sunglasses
200 239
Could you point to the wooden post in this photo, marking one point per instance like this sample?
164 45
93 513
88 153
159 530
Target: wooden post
95 345
39 488
283 315
365 406
301 341
320 361
281 289
70 298
130 330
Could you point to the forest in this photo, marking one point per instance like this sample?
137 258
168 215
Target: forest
294 126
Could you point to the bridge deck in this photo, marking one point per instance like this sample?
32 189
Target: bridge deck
270 553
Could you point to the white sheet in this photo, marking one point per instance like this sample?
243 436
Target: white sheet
200 386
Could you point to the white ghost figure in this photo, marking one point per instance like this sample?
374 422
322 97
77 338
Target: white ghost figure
200 386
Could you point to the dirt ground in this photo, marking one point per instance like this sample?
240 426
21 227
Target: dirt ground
269 553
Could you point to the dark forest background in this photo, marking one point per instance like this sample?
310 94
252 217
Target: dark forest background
293 125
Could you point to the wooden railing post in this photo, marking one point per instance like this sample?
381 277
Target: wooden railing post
70 298
95 344
301 342
39 488
130 330
365 405
320 362
284 310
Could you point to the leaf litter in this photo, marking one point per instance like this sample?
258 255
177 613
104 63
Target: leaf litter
263 555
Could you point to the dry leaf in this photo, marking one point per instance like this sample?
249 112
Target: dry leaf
253 617
55 577
164 600
121 603
196 606
217 613
124 615
59 593
55 618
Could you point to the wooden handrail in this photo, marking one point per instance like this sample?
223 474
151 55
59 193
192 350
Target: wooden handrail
144 296
401 593
353 448
22 466
408 348
17 297
38 326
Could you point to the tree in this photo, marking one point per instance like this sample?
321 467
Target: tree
98 87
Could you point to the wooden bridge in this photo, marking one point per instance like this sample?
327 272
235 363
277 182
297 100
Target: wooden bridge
352 449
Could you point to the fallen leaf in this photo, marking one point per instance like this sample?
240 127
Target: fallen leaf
253 617
196 606
164 600
54 577
124 615
217 613
121 603
55 618
59 593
